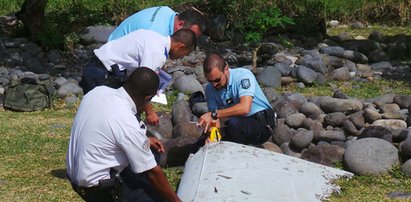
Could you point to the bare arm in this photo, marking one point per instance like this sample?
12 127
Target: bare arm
151 115
158 180
240 109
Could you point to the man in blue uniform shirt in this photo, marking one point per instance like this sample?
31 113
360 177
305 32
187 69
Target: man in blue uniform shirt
235 94
162 20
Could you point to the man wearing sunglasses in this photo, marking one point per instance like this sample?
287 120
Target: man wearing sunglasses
109 156
235 95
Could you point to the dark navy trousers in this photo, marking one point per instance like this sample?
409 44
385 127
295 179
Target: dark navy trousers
242 130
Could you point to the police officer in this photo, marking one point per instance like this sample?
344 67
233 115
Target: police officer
161 19
109 156
234 94
115 60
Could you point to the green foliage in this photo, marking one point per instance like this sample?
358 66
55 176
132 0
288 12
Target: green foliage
258 23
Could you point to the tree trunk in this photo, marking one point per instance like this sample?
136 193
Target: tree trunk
32 14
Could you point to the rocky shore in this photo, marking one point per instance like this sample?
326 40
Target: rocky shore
368 136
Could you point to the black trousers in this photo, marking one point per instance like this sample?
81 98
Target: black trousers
242 130
135 187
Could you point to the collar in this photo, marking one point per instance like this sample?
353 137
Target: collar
167 46
230 78
127 97
171 25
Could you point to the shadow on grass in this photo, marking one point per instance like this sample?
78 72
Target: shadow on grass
59 173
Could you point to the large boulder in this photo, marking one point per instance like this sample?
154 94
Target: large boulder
370 156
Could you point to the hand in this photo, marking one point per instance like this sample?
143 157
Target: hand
205 121
152 118
156 144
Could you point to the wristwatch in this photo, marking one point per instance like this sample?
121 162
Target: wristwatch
214 115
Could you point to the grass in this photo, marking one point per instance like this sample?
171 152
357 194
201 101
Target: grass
366 31
360 90
33 147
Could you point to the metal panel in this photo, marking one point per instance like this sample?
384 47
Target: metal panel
227 171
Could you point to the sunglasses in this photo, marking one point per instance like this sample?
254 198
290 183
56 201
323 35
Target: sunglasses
216 80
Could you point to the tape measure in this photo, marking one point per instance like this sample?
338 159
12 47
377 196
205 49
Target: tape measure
215 135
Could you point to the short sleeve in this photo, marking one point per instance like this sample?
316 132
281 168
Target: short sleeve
153 60
246 84
136 146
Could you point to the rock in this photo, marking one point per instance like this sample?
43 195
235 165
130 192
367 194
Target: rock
341 74
181 112
288 150
187 129
270 94
270 77
406 168
98 33
284 68
315 63
309 108
357 119
371 115
301 139
188 84
337 51
282 133
199 108
377 132
71 100
389 108
272 147
305 75
350 128
329 105
270 48
392 123
60 81
297 99
177 151
335 119
295 120
381 66
404 101
285 108
333 23
355 56
164 129
69 88
357 25
325 154
339 94
370 156
376 36
329 136
405 148
216 27
54 56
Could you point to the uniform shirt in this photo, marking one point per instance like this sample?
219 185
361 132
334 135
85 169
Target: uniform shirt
141 48
241 82
106 134
159 19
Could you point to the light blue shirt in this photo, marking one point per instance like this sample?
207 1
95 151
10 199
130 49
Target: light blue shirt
242 82
159 19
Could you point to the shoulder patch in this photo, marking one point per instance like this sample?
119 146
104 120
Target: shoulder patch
146 145
245 83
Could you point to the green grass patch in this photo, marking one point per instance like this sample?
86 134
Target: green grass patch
371 188
359 90
33 148
365 32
